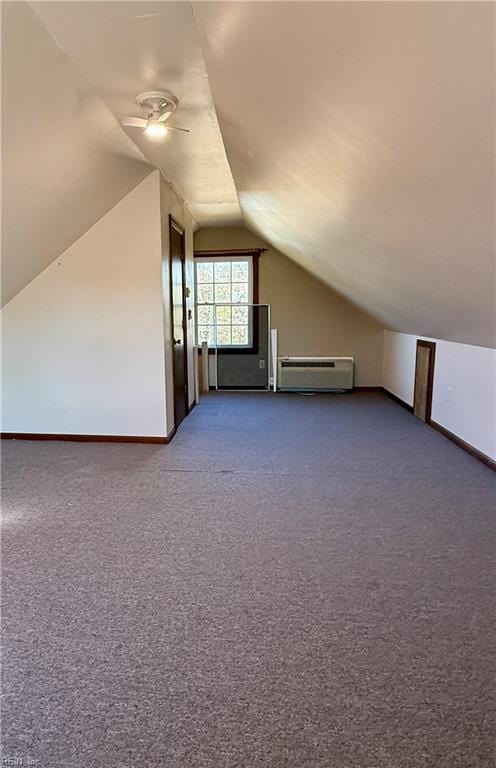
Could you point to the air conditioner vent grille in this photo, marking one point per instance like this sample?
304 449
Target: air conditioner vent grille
304 364
315 374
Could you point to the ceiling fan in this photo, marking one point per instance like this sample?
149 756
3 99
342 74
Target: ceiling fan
159 106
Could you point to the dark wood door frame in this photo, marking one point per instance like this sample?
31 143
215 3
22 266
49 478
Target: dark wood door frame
431 345
175 225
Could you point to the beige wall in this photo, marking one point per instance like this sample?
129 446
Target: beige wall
311 318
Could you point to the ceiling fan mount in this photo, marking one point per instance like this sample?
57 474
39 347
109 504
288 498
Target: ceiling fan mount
158 106
156 101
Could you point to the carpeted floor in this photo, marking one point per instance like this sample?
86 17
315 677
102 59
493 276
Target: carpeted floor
297 582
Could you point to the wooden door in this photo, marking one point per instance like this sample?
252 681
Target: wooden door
179 325
424 379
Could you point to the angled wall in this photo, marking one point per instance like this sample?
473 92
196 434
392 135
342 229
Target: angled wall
310 317
83 343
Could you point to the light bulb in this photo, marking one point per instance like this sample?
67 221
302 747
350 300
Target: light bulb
156 130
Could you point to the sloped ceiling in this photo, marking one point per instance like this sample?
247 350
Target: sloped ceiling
358 138
125 48
361 141
65 160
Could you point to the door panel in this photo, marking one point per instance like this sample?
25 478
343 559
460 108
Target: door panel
424 377
178 307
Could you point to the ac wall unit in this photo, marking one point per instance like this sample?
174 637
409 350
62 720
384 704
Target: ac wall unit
314 374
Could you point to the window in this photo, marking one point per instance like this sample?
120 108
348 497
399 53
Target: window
224 289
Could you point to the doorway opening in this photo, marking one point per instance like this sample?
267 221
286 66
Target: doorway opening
424 380
179 320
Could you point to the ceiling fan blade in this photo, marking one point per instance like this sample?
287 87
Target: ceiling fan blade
173 128
164 116
134 122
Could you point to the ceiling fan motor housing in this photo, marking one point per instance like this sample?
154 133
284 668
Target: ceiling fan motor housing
156 102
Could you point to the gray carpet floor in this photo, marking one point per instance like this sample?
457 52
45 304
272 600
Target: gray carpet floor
294 582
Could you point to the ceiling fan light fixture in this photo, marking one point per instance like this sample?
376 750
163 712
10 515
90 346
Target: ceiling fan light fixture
155 130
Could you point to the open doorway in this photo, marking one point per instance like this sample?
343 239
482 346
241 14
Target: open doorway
424 380
179 326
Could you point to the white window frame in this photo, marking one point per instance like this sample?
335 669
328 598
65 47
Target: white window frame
245 258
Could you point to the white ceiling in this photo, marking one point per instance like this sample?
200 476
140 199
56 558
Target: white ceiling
357 136
361 139
65 160
125 48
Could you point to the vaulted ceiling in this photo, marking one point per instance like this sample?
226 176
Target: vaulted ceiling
361 141
356 137
70 73
125 48
65 161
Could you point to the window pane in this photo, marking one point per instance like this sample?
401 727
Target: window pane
223 335
206 333
221 283
205 315
205 294
239 315
222 271
204 272
240 271
223 315
240 293
223 293
239 334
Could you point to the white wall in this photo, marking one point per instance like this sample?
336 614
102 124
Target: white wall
83 343
398 370
464 396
